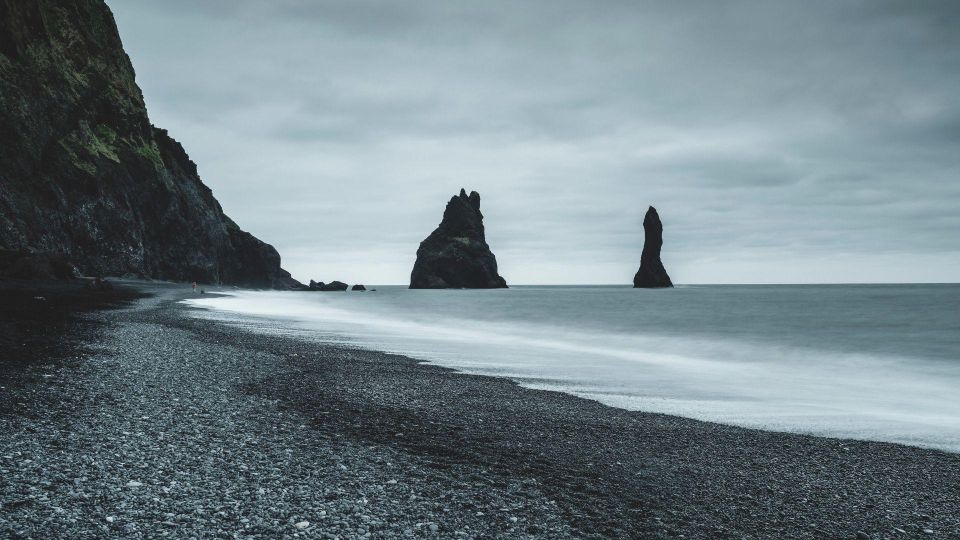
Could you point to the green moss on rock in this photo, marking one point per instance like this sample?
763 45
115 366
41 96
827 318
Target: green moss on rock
151 151
84 171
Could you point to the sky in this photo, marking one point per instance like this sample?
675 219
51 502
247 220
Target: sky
781 142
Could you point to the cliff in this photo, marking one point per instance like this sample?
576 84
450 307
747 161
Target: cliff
456 254
652 274
83 173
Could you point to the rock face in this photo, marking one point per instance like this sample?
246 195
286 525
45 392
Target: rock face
456 254
652 274
84 174
27 265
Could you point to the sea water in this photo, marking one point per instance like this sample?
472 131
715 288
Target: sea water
874 362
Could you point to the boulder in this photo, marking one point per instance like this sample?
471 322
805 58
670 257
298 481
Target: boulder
358 287
456 254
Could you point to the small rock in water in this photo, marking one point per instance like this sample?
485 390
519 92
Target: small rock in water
301 525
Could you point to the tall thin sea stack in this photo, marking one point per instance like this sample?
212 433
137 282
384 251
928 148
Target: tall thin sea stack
456 254
652 274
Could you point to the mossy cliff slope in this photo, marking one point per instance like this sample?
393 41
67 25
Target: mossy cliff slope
85 174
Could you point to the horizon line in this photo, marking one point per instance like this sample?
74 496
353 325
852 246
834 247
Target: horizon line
628 285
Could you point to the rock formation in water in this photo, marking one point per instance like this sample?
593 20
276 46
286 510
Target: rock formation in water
456 254
83 173
332 286
652 274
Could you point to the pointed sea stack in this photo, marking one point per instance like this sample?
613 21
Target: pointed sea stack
652 274
456 254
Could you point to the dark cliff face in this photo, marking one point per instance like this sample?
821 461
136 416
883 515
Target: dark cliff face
652 274
84 173
456 254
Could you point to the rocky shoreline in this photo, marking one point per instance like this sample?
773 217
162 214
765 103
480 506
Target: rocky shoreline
157 424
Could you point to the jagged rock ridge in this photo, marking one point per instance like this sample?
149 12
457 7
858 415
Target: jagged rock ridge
83 173
456 254
652 274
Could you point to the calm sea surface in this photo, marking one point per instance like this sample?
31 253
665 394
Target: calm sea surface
879 362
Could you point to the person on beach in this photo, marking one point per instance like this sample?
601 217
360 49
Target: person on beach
194 286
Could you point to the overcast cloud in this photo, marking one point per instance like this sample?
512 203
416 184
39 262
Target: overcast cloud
780 141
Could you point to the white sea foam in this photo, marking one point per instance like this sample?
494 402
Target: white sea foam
877 394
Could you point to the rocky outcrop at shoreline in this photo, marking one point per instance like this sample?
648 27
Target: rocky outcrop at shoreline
456 254
652 274
321 286
87 176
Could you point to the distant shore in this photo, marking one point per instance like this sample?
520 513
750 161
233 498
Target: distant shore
152 423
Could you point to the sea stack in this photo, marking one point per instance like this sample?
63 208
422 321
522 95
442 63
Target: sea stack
652 274
456 254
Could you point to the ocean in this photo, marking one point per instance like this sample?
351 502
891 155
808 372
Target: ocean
872 362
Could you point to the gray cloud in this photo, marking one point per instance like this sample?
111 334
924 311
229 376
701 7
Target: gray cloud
781 141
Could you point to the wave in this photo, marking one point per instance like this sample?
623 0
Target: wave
735 381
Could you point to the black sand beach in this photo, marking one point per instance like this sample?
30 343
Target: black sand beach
139 421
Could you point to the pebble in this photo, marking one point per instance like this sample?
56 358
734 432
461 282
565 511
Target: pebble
245 465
